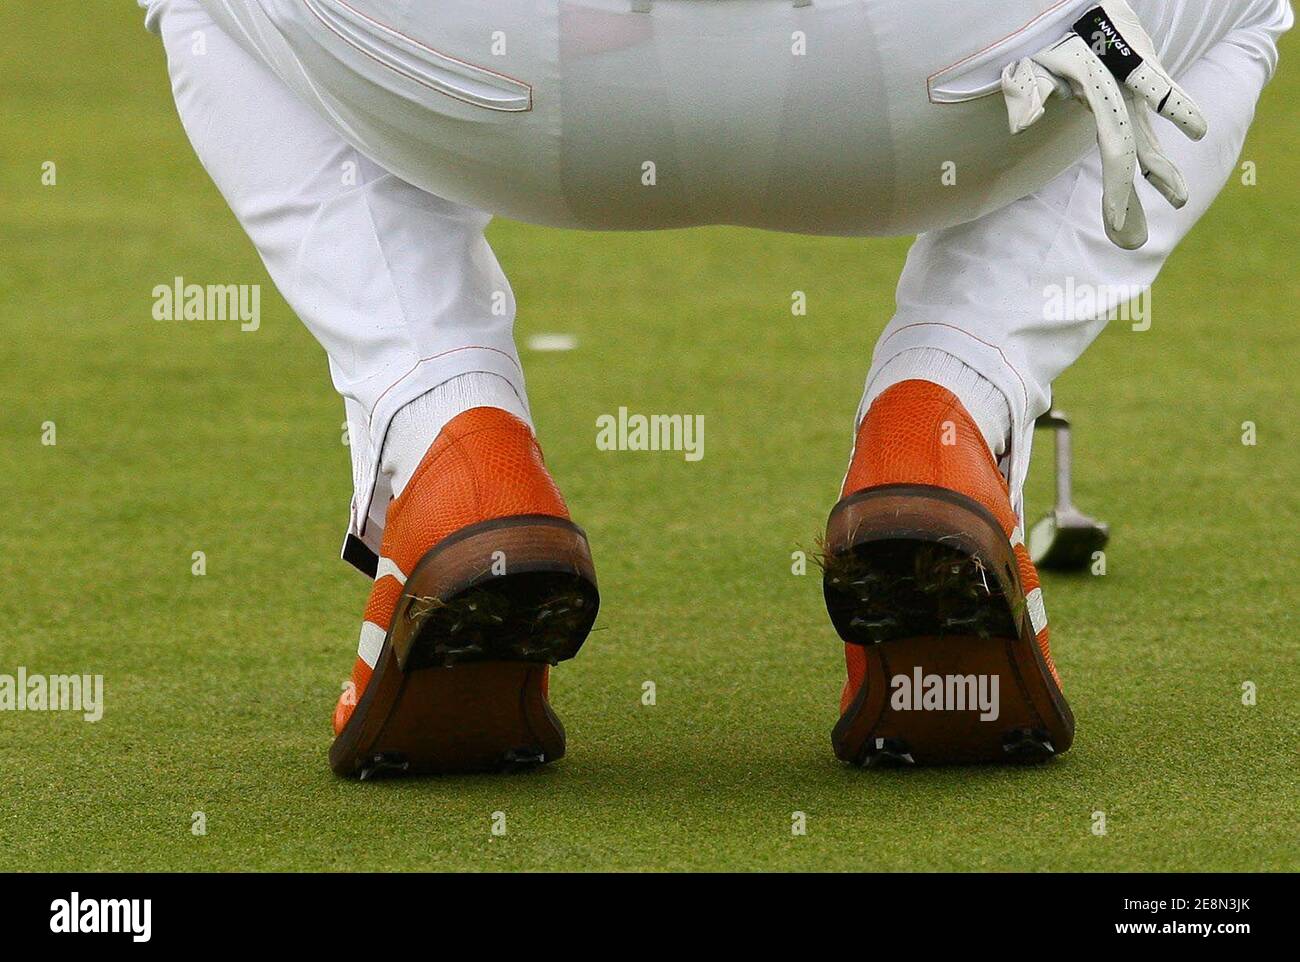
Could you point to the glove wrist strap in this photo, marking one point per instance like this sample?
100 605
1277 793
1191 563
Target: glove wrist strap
1100 33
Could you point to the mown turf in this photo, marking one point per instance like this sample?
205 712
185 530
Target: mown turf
174 438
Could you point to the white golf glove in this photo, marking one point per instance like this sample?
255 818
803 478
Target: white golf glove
1108 47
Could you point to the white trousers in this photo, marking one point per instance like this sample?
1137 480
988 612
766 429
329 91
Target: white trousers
363 144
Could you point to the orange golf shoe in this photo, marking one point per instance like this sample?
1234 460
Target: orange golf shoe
483 583
929 584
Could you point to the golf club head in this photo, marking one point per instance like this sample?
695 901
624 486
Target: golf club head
1065 540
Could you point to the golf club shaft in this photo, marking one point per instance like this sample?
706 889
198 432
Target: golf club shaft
1064 461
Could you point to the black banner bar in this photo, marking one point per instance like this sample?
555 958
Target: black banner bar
335 911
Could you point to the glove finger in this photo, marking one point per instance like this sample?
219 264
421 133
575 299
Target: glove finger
1024 95
1162 172
1118 152
1133 234
1092 81
1151 82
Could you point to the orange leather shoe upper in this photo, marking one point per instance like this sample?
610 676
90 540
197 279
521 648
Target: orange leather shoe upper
347 702
918 432
484 464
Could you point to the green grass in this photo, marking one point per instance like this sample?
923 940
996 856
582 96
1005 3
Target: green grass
174 438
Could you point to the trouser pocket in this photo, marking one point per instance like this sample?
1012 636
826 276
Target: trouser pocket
979 74
414 62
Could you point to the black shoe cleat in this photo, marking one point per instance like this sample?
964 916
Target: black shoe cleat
887 752
381 764
522 759
1027 745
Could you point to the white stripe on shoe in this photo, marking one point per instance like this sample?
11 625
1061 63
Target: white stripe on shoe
387 566
1017 536
371 643
1037 611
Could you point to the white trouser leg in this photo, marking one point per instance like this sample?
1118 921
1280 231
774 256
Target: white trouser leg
996 292
399 286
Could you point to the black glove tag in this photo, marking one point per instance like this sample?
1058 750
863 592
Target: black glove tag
1100 33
